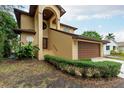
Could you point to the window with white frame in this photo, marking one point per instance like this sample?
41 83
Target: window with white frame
29 39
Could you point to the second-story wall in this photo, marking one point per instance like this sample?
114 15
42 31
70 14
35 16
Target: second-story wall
27 22
55 44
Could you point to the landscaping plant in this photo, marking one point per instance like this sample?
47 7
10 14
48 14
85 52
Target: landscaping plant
115 53
85 68
26 51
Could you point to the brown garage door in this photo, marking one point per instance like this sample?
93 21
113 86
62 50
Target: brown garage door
88 50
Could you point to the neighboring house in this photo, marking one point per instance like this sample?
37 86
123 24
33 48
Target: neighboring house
112 45
41 25
121 46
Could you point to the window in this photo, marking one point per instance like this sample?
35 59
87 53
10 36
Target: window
29 39
45 43
66 29
44 26
107 47
114 47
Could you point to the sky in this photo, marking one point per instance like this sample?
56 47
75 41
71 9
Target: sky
103 19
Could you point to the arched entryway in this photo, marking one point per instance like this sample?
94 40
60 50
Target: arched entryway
50 20
48 17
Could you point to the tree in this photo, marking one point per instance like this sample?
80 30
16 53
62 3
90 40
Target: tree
110 36
7 23
9 8
2 39
92 35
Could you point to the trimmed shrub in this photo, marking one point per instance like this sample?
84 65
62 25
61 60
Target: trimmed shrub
85 68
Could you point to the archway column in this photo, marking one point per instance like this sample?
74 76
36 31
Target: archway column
58 23
40 33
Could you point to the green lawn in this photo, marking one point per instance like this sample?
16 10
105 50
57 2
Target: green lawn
117 57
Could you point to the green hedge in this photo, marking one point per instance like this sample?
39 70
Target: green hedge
85 68
85 59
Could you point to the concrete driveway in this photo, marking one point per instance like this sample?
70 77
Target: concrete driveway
114 60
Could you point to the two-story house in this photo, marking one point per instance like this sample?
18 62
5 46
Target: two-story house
41 25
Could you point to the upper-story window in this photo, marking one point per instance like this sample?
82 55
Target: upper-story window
66 29
107 47
44 26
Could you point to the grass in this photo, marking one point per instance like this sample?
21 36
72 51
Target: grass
118 57
34 73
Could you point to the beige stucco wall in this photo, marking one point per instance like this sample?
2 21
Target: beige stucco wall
75 49
36 28
27 22
60 44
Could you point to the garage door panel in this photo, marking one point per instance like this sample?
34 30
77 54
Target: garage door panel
88 50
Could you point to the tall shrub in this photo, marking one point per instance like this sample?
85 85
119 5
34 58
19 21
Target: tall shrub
26 51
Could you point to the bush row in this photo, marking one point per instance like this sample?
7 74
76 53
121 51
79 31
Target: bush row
85 68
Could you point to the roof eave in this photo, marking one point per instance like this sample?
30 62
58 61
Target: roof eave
32 9
19 31
69 26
